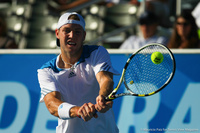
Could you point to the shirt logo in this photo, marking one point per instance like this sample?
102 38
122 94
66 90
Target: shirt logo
61 106
71 74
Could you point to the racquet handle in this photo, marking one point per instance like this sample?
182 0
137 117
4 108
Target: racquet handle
108 98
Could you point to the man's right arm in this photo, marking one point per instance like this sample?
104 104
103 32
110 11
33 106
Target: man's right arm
52 101
64 110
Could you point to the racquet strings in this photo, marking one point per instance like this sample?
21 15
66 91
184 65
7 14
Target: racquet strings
142 76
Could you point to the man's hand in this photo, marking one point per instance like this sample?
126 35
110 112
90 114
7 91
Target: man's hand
87 111
102 105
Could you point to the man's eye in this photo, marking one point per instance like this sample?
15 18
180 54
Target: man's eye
67 31
78 32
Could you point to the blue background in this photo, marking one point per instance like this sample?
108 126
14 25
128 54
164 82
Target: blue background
176 108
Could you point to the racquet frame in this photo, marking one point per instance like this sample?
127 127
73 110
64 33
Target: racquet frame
113 94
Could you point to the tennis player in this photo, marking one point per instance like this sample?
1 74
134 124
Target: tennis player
75 83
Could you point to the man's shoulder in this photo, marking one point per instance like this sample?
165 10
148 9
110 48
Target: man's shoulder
89 50
131 41
134 38
51 64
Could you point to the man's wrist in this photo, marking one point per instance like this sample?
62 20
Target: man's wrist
64 110
74 112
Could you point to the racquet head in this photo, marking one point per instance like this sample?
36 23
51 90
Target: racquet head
141 76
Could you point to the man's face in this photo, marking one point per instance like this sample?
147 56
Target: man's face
71 38
148 30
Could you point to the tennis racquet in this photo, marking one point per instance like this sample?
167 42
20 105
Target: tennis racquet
141 76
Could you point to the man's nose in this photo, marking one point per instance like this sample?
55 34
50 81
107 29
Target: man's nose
71 34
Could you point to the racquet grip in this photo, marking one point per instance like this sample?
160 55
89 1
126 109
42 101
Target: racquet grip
108 98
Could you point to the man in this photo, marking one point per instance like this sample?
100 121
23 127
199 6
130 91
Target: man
75 83
148 24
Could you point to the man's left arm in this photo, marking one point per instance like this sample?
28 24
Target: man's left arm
105 80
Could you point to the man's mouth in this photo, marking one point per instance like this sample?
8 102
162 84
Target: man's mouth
71 43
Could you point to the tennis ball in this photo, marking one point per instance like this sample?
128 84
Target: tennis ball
157 57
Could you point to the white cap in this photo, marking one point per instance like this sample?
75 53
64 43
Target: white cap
64 19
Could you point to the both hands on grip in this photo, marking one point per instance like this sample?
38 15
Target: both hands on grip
89 110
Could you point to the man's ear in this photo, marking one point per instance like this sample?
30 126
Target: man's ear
84 36
57 32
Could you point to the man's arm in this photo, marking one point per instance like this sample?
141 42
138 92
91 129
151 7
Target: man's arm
105 80
53 101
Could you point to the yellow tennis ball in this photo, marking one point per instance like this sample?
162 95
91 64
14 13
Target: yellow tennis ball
157 57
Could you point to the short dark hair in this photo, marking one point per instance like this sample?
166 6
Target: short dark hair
74 17
148 17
